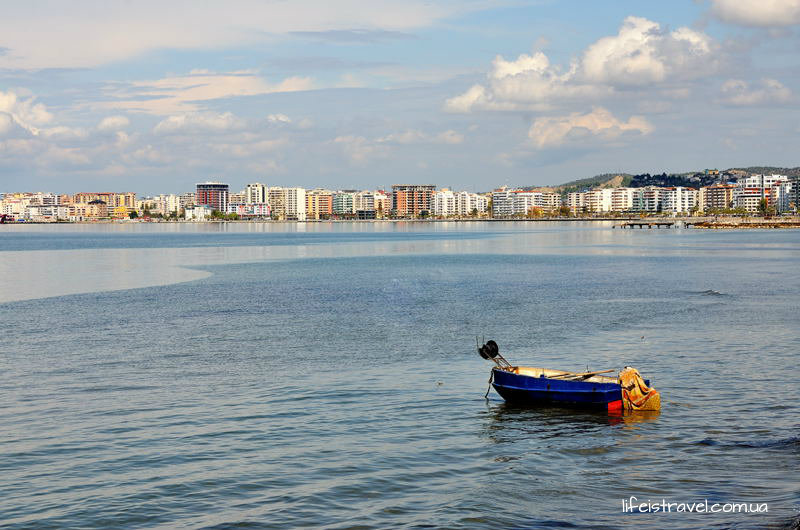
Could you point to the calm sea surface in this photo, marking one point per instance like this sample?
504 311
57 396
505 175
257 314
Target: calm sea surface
325 375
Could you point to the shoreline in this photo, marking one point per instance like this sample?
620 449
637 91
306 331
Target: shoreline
700 222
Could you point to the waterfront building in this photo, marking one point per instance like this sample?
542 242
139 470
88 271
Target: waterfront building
622 199
118 205
599 200
276 197
443 203
162 205
509 203
87 211
198 212
187 199
411 200
718 197
784 196
576 202
751 190
295 203
679 199
46 213
214 194
256 193
794 197
238 198
551 201
287 204
651 199
344 202
319 204
383 204
249 210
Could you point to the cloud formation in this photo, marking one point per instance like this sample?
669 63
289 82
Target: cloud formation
113 123
188 93
550 132
641 54
757 13
767 92
23 112
199 122
87 34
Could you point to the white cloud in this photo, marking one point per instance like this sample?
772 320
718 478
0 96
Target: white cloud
410 136
243 150
186 93
413 136
768 91
25 112
554 131
359 149
278 118
87 34
640 54
113 123
61 132
757 13
450 137
199 122
6 122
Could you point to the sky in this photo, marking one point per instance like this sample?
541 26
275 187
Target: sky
153 97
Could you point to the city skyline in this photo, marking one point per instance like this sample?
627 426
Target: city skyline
148 97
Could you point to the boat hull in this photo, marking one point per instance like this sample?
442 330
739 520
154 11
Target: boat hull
533 391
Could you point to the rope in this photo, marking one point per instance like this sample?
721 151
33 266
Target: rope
491 376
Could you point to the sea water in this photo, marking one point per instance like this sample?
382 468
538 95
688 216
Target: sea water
325 375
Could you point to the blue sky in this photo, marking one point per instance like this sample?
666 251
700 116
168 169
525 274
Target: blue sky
153 96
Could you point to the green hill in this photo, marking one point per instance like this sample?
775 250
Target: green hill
607 180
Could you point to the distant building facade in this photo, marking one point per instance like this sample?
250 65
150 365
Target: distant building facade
213 194
411 200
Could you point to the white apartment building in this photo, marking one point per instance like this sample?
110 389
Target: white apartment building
198 212
252 209
679 200
507 203
364 201
599 200
576 201
256 193
443 203
446 202
651 199
622 199
749 191
295 203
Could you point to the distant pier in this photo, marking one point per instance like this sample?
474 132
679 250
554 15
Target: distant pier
646 224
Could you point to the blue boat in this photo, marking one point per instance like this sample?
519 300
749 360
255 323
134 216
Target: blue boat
539 386
528 386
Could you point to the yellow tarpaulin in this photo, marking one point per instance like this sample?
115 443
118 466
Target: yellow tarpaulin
635 394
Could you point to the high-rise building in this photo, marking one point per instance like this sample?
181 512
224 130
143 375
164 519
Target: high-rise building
410 200
319 204
256 193
344 202
718 197
214 194
295 203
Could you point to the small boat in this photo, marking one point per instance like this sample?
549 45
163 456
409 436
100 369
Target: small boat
541 386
